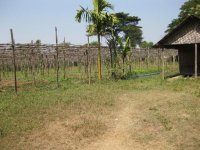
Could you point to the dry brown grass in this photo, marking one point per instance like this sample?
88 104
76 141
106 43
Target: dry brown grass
140 114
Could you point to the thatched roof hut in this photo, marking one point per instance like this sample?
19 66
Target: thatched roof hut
186 38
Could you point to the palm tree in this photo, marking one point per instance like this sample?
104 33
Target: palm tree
124 49
96 17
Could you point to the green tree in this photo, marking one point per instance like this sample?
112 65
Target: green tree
38 42
145 44
96 17
94 43
191 7
121 25
128 26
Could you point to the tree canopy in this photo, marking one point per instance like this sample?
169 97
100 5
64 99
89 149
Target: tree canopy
191 7
128 25
146 44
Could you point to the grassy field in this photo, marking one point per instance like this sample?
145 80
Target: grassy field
162 114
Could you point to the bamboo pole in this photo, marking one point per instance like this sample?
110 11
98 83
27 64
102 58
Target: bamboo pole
14 59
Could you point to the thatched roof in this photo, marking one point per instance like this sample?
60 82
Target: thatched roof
188 32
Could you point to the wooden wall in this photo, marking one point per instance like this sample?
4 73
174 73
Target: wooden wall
187 59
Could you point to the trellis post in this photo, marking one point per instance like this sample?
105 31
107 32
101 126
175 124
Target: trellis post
196 61
57 62
14 59
163 65
88 62
64 60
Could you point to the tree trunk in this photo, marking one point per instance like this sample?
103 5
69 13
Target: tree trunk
99 57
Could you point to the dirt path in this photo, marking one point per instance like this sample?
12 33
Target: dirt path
131 128
118 136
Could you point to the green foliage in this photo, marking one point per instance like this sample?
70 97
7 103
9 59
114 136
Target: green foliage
38 42
94 43
127 26
191 7
97 18
124 48
146 44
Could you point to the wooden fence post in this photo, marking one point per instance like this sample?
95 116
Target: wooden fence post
64 60
0 72
147 58
196 61
14 59
88 61
158 61
57 61
163 65
33 63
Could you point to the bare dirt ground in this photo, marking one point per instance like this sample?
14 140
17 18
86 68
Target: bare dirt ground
138 124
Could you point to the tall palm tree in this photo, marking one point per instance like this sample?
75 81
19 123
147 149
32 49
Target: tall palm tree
97 17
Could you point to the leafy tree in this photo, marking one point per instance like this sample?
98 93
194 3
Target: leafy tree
38 42
191 7
94 43
96 17
146 44
117 25
128 26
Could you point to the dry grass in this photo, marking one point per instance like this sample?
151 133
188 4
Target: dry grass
141 114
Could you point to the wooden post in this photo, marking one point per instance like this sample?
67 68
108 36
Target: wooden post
88 62
130 60
57 61
147 58
64 60
33 63
196 61
14 59
0 73
158 57
163 65
140 63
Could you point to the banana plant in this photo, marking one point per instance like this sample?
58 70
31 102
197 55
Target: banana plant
124 49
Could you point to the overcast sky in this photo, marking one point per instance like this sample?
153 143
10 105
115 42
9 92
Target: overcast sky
36 19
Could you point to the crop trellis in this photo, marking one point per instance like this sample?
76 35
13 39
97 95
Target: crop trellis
32 59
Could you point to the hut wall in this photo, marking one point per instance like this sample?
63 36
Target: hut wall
187 60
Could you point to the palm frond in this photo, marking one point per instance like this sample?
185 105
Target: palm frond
102 5
83 14
92 30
